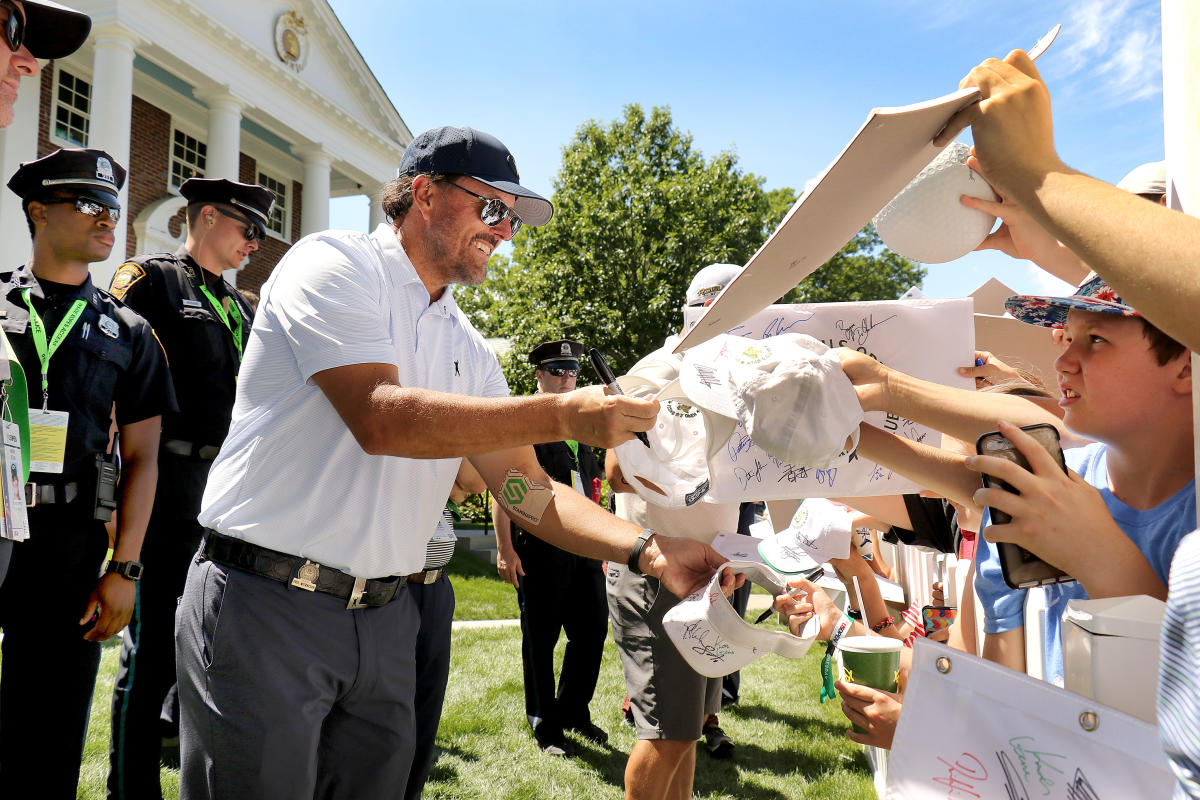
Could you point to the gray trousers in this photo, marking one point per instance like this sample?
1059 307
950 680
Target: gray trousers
286 694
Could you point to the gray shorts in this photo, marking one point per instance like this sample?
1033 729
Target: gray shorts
668 697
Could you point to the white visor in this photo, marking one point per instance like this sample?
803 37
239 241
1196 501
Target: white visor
714 638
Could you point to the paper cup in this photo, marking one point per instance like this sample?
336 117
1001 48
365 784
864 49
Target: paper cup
871 661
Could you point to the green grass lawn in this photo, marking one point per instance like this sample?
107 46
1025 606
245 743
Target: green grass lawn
788 745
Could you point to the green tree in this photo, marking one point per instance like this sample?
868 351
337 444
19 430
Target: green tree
638 210
862 270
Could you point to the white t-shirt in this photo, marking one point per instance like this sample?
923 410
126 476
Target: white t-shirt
290 475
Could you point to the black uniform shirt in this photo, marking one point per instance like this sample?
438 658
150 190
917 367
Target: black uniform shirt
165 289
110 356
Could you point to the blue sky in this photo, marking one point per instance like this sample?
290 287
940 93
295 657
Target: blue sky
784 84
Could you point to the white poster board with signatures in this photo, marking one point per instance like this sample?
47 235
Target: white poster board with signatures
973 729
929 339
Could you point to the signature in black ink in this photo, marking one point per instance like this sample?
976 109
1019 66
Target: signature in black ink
793 473
747 475
715 650
912 435
859 331
1081 788
1012 779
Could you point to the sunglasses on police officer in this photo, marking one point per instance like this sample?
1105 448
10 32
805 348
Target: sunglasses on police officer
250 232
87 206
14 26
494 210
559 372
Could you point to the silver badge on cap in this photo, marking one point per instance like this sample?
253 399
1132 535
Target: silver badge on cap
566 349
104 170
108 326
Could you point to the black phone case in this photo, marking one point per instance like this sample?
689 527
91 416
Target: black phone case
1021 569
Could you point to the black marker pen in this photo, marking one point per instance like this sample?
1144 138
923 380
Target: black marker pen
610 380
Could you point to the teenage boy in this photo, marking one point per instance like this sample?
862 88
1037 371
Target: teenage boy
1114 522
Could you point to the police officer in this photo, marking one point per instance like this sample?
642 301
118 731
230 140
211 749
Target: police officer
88 359
204 325
557 591
30 31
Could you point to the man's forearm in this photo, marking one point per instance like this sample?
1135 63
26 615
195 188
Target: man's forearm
1118 234
137 500
574 523
938 470
503 526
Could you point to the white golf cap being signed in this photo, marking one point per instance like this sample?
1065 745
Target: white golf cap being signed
788 391
714 638
819 530
673 471
927 222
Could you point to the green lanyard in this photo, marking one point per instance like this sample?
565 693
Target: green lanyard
39 338
236 326
574 448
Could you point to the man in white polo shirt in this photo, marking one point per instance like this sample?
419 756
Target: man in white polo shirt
361 387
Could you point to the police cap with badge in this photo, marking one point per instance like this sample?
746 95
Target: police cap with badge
80 173
559 354
253 203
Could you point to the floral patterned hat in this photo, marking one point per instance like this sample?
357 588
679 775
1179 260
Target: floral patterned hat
1051 312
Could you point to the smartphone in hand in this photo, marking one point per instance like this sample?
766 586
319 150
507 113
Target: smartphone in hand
937 618
1021 568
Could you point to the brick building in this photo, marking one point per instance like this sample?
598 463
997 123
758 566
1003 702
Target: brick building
273 93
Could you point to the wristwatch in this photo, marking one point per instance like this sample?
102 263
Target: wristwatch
635 555
130 570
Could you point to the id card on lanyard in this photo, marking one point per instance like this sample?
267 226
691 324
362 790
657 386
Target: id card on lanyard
232 319
48 429
576 479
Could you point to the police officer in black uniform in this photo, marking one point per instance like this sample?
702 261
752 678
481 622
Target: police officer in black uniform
204 325
88 359
557 590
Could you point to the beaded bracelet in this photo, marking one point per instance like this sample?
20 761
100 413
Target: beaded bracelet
883 623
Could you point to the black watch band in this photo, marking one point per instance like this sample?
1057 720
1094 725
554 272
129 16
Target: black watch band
130 570
635 554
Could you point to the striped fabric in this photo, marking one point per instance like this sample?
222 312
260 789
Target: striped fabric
441 545
1179 671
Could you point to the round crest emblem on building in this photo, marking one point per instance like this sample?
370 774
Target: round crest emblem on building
291 40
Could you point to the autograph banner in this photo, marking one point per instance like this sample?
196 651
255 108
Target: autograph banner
973 729
929 339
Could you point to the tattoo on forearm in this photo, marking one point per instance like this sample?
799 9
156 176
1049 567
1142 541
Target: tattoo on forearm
525 497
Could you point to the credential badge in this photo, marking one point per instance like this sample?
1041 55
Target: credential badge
104 170
566 349
108 326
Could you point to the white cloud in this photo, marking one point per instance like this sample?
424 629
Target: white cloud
1041 282
1114 53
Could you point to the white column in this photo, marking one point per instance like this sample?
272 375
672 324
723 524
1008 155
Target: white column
112 108
18 142
314 213
224 132
377 216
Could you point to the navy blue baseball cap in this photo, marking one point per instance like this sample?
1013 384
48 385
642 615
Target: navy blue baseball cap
85 172
466 151
53 30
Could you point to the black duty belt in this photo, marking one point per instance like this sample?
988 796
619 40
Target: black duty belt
180 447
302 573
38 494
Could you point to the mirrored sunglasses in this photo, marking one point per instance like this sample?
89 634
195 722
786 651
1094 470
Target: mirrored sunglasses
559 372
14 26
89 207
494 210
250 232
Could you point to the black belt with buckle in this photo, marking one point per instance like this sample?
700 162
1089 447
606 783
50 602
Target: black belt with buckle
301 572
37 494
179 447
